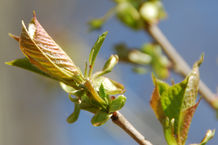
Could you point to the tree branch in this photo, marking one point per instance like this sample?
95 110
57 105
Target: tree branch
180 66
123 123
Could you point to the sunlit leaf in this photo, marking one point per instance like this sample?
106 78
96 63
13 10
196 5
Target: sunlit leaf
95 49
46 55
174 106
100 118
93 92
111 87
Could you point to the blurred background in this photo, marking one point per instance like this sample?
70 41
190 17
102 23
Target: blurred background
33 109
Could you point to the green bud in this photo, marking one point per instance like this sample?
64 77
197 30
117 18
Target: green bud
139 57
110 63
149 12
129 15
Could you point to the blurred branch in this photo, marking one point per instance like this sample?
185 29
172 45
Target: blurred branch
123 123
180 66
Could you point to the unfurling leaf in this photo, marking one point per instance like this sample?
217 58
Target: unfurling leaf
74 116
117 103
100 118
174 106
111 87
43 52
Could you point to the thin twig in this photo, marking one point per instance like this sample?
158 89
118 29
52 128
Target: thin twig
179 63
123 123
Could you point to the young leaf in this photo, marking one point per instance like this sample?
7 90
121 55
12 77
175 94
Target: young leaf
25 64
175 105
93 92
95 49
111 87
74 116
117 103
103 94
100 118
46 55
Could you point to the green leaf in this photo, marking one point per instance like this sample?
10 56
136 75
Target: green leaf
100 118
95 49
174 106
111 87
117 103
93 92
103 94
25 64
74 116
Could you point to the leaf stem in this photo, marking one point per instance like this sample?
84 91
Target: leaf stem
123 123
180 65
